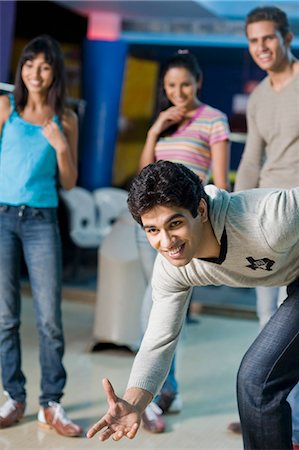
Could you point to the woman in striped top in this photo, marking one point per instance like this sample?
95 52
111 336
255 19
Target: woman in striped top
186 130
194 134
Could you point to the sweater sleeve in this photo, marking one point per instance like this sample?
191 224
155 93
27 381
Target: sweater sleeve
280 220
170 303
248 172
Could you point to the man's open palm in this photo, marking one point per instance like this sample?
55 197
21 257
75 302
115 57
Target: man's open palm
121 419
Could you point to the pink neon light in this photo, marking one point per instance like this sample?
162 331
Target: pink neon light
104 26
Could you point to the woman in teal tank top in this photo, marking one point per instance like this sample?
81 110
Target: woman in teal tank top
38 147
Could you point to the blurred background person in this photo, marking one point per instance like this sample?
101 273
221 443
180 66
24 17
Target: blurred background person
38 150
271 154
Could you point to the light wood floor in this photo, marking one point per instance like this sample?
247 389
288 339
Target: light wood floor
208 358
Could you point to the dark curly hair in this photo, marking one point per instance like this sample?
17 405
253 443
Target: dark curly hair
165 183
272 14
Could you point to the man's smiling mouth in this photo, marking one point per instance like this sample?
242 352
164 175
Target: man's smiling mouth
175 251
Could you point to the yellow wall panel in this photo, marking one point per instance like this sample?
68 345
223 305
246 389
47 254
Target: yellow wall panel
138 99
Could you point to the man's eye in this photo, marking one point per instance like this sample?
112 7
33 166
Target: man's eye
175 224
150 230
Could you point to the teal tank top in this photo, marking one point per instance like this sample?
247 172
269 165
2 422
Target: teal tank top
28 164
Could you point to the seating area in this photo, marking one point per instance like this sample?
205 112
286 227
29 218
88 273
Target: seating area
90 217
93 213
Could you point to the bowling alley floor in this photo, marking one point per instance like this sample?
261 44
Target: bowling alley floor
208 358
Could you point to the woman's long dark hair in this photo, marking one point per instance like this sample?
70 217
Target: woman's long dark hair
182 59
53 55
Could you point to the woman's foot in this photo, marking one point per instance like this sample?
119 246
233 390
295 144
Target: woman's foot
11 412
235 427
152 419
170 403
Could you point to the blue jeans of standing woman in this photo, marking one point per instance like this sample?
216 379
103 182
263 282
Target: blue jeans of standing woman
268 372
36 232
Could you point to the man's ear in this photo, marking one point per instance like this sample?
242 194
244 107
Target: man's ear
288 38
203 210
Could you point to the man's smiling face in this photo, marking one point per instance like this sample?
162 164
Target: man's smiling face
267 47
174 233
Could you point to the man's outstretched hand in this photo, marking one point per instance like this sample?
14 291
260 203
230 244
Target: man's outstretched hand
122 418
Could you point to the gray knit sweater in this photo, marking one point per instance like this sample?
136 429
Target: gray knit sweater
271 154
258 231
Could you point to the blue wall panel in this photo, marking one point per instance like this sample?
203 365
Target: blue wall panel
103 70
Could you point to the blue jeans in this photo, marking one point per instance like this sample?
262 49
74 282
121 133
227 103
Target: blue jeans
36 232
268 299
267 374
147 257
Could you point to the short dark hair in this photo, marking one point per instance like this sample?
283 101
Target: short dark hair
164 183
272 14
54 56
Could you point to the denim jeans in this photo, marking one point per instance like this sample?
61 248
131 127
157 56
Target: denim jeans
268 299
36 232
267 374
147 258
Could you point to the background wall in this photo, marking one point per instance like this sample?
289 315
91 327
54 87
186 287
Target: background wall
138 100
